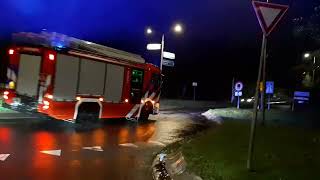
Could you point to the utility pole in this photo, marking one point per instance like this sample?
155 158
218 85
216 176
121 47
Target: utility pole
264 83
162 50
232 90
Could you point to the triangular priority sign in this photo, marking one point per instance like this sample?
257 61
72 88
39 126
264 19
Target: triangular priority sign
269 14
52 152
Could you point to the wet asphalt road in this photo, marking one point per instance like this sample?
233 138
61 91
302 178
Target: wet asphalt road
124 150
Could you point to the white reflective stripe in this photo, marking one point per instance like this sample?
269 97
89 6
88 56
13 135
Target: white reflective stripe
133 110
146 95
158 98
13 76
9 73
152 95
138 115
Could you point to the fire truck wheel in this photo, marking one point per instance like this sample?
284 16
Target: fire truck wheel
146 111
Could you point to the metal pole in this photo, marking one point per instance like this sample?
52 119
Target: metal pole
255 112
314 70
238 104
264 83
162 50
232 90
194 93
269 102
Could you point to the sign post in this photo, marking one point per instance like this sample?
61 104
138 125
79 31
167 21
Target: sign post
238 92
194 84
269 91
268 15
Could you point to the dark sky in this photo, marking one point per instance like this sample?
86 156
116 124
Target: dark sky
221 38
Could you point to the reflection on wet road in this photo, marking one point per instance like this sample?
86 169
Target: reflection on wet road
123 150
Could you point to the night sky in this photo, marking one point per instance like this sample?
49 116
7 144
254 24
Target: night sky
221 39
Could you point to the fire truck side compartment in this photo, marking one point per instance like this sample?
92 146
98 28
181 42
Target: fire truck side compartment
114 83
91 77
28 75
67 68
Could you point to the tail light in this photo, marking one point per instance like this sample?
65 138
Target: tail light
126 100
101 99
6 93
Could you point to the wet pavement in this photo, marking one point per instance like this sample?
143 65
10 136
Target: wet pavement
114 149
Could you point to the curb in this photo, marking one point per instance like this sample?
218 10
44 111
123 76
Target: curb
159 171
171 166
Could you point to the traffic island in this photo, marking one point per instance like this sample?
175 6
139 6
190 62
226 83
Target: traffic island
221 153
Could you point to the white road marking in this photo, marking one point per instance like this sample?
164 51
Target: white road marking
157 143
3 157
129 145
52 152
94 148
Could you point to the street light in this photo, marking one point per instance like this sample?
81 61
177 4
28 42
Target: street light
149 31
306 55
177 29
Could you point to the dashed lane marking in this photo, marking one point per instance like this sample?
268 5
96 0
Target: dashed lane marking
94 148
52 152
128 145
3 157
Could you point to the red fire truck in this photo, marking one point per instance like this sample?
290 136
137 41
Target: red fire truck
76 80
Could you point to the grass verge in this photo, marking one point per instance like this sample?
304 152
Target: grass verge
281 153
4 110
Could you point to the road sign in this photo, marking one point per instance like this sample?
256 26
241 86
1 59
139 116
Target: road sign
269 14
238 93
238 86
153 46
167 62
169 55
194 84
269 87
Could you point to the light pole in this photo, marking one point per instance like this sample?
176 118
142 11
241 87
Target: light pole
177 28
307 56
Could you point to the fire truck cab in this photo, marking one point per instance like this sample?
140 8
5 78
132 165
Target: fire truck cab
76 80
